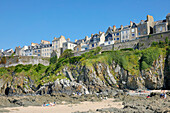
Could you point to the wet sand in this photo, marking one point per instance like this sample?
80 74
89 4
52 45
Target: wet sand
68 108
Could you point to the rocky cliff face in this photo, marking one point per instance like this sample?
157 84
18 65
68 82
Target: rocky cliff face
97 78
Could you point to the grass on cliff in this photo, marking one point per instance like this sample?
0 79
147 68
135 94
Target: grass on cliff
131 60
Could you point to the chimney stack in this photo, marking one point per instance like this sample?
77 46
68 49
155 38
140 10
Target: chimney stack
82 41
131 23
100 32
68 39
114 28
75 40
150 18
91 35
86 38
121 27
55 38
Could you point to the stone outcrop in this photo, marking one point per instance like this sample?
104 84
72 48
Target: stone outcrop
97 78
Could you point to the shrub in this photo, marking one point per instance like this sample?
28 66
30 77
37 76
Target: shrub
53 60
74 60
127 49
154 44
144 65
166 40
149 55
67 53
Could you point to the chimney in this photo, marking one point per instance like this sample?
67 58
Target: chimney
75 40
100 32
62 36
114 28
131 23
82 41
86 38
55 38
121 27
2 50
91 35
68 39
150 18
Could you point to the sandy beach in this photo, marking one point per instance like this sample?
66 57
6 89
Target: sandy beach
83 106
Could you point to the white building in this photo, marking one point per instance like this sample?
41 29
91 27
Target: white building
69 45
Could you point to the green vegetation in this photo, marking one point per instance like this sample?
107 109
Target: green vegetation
53 60
131 60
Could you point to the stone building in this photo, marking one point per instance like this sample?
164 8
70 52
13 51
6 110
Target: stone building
125 34
37 50
160 26
46 50
96 40
146 27
18 51
57 45
168 21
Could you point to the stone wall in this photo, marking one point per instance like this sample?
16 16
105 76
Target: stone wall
129 44
25 60
146 41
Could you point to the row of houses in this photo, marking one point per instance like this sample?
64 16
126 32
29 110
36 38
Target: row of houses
111 36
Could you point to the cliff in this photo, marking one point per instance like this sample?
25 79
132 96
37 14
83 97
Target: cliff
91 73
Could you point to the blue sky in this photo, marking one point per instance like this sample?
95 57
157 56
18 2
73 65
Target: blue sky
26 21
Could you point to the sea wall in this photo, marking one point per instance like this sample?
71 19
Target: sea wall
25 60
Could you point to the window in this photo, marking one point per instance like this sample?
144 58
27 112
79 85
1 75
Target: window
144 26
144 32
123 37
133 30
35 51
38 54
92 45
117 34
138 28
117 38
169 18
45 54
53 47
85 48
38 51
139 33
133 34
114 38
56 46
126 36
108 42
161 28
77 49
